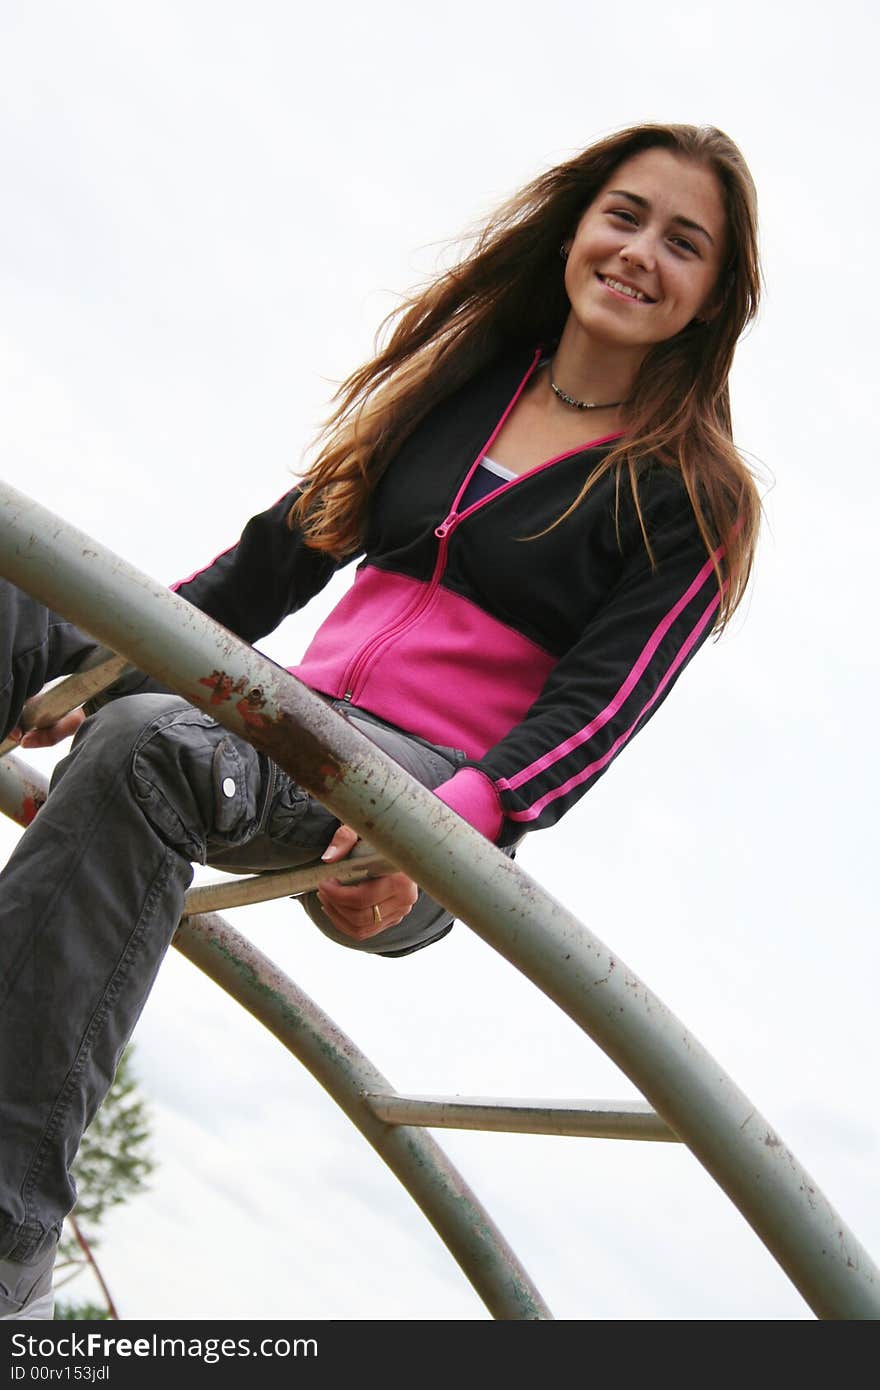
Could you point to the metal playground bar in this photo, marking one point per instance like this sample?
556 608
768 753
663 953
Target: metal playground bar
689 1098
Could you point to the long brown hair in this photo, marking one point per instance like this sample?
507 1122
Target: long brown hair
508 292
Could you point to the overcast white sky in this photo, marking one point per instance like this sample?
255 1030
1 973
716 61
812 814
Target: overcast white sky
207 209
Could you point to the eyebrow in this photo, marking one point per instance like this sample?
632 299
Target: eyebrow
643 203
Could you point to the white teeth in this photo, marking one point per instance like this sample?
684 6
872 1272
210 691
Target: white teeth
625 289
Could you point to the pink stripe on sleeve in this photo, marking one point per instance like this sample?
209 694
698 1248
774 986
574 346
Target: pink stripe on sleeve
608 713
533 811
179 583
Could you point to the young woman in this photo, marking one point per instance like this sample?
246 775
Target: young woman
539 474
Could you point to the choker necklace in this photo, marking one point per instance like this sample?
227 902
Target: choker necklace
581 405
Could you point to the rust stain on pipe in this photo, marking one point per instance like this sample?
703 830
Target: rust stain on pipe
288 744
30 806
222 686
312 764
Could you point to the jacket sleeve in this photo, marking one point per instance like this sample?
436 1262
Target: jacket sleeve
250 587
269 572
605 688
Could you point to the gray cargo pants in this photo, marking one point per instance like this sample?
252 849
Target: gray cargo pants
93 892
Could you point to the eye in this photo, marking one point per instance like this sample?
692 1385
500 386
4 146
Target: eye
624 215
685 245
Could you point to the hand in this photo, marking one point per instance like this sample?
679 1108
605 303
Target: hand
63 728
350 906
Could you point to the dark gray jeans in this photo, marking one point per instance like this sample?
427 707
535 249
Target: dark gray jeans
91 896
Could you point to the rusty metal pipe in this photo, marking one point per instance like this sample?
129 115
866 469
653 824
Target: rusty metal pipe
349 1076
247 693
346 1074
23 789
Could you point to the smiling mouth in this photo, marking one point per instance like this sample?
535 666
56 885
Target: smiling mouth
620 287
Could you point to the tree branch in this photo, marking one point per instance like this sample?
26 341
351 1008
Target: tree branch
87 1251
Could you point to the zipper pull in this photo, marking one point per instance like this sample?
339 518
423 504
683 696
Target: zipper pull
443 530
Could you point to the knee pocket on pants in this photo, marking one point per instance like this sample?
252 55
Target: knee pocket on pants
235 781
196 784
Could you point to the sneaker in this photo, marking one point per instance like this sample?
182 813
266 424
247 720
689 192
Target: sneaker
26 1290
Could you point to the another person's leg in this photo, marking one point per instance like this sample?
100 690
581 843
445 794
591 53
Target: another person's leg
36 645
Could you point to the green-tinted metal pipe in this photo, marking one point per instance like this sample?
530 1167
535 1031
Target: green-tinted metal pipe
347 1075
342 1069
247 693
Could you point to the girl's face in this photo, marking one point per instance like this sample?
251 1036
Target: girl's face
647 254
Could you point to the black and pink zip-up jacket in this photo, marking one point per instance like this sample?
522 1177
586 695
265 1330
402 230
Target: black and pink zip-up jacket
541 658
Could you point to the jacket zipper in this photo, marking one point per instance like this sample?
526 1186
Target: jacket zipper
410 615
357 669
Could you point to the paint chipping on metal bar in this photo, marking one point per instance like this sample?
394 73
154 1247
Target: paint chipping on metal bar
160 633
23 790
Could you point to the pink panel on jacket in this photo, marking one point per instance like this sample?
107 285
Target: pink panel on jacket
393 641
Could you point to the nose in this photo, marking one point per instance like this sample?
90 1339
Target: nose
639 250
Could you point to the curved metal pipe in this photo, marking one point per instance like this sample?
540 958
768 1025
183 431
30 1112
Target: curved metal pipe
349 1076
161 633
415 1158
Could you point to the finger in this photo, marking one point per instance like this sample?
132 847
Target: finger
343 843
362 924
341 923
361 911
368 920
54 733
354 895
387 888
380 910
